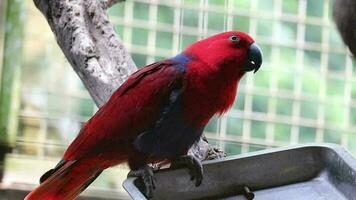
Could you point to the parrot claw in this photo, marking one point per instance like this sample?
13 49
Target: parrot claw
193 164
146 175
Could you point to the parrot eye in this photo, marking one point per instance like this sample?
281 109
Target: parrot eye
234 38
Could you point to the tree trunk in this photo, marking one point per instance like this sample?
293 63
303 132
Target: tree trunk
95 51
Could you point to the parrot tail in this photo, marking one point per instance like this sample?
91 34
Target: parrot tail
65 182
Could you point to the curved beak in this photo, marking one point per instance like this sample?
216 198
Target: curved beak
254 61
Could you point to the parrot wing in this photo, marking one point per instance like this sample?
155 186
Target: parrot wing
133 108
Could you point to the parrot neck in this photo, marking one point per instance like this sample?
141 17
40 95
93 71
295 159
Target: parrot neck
210 90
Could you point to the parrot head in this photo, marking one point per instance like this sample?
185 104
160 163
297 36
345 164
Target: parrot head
231 49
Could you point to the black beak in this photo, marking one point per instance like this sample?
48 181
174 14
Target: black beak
254 61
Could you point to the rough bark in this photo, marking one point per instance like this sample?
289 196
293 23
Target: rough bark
89 42
94 50
344 12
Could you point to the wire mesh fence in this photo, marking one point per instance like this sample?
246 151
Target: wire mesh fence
304 92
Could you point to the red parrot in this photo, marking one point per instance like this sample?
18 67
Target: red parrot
155 116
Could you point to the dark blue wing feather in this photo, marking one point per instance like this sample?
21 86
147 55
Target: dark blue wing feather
171 136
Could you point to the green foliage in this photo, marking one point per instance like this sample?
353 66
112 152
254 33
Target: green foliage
10 74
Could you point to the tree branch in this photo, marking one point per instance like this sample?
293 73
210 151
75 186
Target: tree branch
96 53
89 42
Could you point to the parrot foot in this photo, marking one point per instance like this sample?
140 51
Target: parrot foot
194 166
146 174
